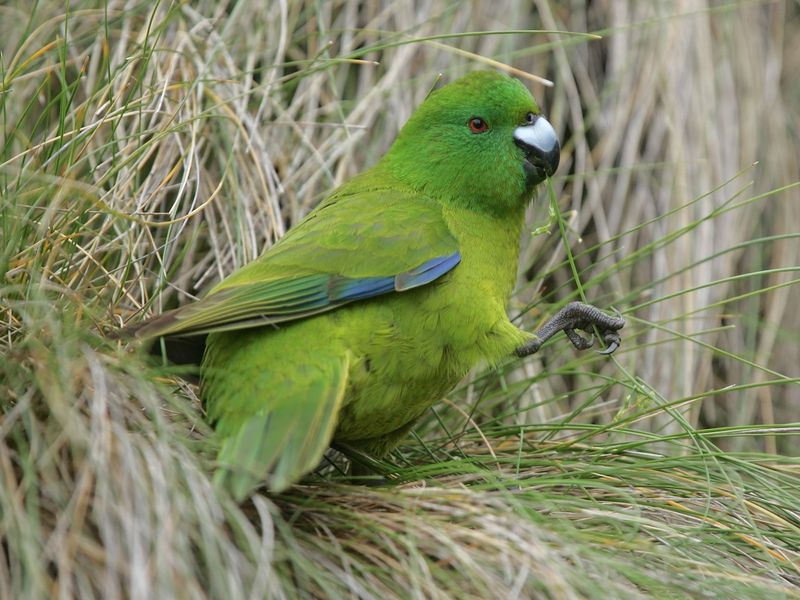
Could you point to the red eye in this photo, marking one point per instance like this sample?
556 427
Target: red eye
478 125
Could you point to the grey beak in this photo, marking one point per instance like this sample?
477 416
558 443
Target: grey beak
542 150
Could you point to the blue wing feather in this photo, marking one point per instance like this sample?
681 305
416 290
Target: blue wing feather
427 272
345 289
272 302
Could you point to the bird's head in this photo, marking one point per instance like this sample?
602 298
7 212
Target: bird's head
480 141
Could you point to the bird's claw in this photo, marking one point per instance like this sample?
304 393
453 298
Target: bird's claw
579 316
612 340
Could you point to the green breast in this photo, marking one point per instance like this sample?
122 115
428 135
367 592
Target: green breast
423 342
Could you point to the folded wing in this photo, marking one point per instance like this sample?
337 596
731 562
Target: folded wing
353 247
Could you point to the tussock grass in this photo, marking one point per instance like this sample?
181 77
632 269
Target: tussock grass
149 149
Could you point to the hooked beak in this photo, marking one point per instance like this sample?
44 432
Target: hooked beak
542 151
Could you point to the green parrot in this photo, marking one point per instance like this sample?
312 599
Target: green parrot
382 298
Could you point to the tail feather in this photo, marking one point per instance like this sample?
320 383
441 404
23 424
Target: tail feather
286 440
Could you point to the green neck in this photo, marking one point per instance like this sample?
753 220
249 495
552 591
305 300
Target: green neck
432 172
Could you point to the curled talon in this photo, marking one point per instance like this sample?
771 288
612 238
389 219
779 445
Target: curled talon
610 349
613 340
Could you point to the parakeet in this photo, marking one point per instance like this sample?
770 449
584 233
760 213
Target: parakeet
381 299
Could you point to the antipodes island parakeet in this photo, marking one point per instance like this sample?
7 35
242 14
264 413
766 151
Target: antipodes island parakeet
381 299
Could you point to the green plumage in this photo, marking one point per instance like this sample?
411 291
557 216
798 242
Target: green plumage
382 298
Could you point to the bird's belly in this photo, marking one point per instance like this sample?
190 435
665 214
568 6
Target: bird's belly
420 346
376 407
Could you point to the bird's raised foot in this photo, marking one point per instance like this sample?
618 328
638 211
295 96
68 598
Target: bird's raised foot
578 316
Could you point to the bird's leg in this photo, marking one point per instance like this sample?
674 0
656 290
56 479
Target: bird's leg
577 315
364 469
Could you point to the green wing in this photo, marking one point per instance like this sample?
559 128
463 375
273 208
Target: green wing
352 247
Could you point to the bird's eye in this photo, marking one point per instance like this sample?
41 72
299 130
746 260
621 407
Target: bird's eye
478 125
530 117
